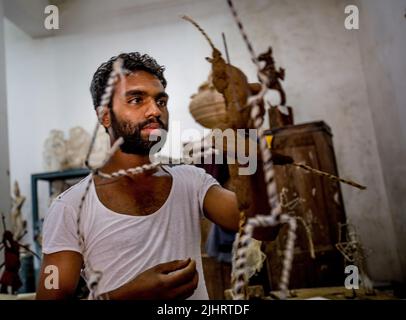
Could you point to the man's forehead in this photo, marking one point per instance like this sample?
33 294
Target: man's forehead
140 82
141 77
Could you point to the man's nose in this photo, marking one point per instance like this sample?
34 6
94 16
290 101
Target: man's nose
153 110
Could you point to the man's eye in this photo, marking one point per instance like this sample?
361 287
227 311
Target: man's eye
136 100
162 103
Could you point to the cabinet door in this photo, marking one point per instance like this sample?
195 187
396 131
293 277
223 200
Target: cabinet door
217 274
317 201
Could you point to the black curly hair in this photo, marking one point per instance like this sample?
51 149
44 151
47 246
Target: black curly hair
131 62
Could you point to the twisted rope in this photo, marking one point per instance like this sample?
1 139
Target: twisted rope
184 17
276 217
238 278
95 275
244 242
243 33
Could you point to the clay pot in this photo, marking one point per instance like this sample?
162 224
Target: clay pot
208 107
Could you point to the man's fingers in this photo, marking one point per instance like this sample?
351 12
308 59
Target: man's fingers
172 266
182 276
187 289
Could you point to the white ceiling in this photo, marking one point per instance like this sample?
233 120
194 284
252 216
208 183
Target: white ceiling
29 15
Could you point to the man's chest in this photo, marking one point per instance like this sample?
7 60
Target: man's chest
139 199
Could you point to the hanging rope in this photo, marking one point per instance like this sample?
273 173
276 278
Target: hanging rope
276 216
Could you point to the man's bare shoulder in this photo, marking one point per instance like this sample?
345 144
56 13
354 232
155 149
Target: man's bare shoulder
74 194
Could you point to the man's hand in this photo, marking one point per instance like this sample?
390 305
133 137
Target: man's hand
172 280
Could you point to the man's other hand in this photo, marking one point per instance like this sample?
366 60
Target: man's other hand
177 279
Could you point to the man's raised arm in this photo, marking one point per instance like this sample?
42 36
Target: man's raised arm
221 207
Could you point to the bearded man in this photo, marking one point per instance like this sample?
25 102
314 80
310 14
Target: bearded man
141 231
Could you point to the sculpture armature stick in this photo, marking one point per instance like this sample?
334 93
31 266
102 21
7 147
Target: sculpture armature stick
328 175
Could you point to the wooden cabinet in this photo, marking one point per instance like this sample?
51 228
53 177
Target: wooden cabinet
316 199
217 274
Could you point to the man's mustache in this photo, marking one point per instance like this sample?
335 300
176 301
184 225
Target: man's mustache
152 120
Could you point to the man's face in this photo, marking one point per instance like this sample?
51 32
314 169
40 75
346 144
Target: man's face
139 109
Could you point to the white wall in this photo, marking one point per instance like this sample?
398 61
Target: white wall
48 82
383 49
4 154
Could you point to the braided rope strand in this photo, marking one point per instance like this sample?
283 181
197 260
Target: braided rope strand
184 17
244 242
243 33
288 255
96 275
275 217
240 288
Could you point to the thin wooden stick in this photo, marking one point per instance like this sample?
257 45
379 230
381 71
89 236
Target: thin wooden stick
329 175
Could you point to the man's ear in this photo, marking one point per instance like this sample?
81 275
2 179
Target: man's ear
106 118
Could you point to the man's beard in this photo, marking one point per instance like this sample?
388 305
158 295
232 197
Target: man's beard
134 143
